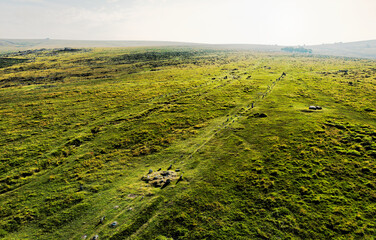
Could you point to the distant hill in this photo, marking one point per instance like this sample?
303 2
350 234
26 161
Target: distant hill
362 49
7 45
253 47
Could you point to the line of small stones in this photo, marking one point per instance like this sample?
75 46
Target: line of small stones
230 120
189 88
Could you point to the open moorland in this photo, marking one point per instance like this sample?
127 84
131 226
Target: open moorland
360 49
186 143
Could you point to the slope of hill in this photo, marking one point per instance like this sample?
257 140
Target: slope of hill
362 49
186 143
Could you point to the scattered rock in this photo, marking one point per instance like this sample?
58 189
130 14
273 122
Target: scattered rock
157 183
369 110
315 108
116 207
130 209
259 115
131 195
166 173
168 181
159 179
102 219
145 179
96 237
114 224
180 179
150 171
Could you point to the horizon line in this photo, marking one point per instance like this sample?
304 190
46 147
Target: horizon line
183 42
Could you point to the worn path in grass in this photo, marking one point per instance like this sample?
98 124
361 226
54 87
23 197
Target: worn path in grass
187 149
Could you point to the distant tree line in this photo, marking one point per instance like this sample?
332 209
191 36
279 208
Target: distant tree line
297 49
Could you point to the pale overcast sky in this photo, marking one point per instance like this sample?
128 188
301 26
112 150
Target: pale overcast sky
284 22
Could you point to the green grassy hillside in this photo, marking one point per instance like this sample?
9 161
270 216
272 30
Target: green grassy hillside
80 131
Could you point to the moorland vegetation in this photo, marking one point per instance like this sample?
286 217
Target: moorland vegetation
83 131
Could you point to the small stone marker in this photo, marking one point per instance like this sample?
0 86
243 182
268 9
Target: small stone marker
114 224
315 108
168 181
180 179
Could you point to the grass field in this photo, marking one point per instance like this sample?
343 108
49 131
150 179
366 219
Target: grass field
79 129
